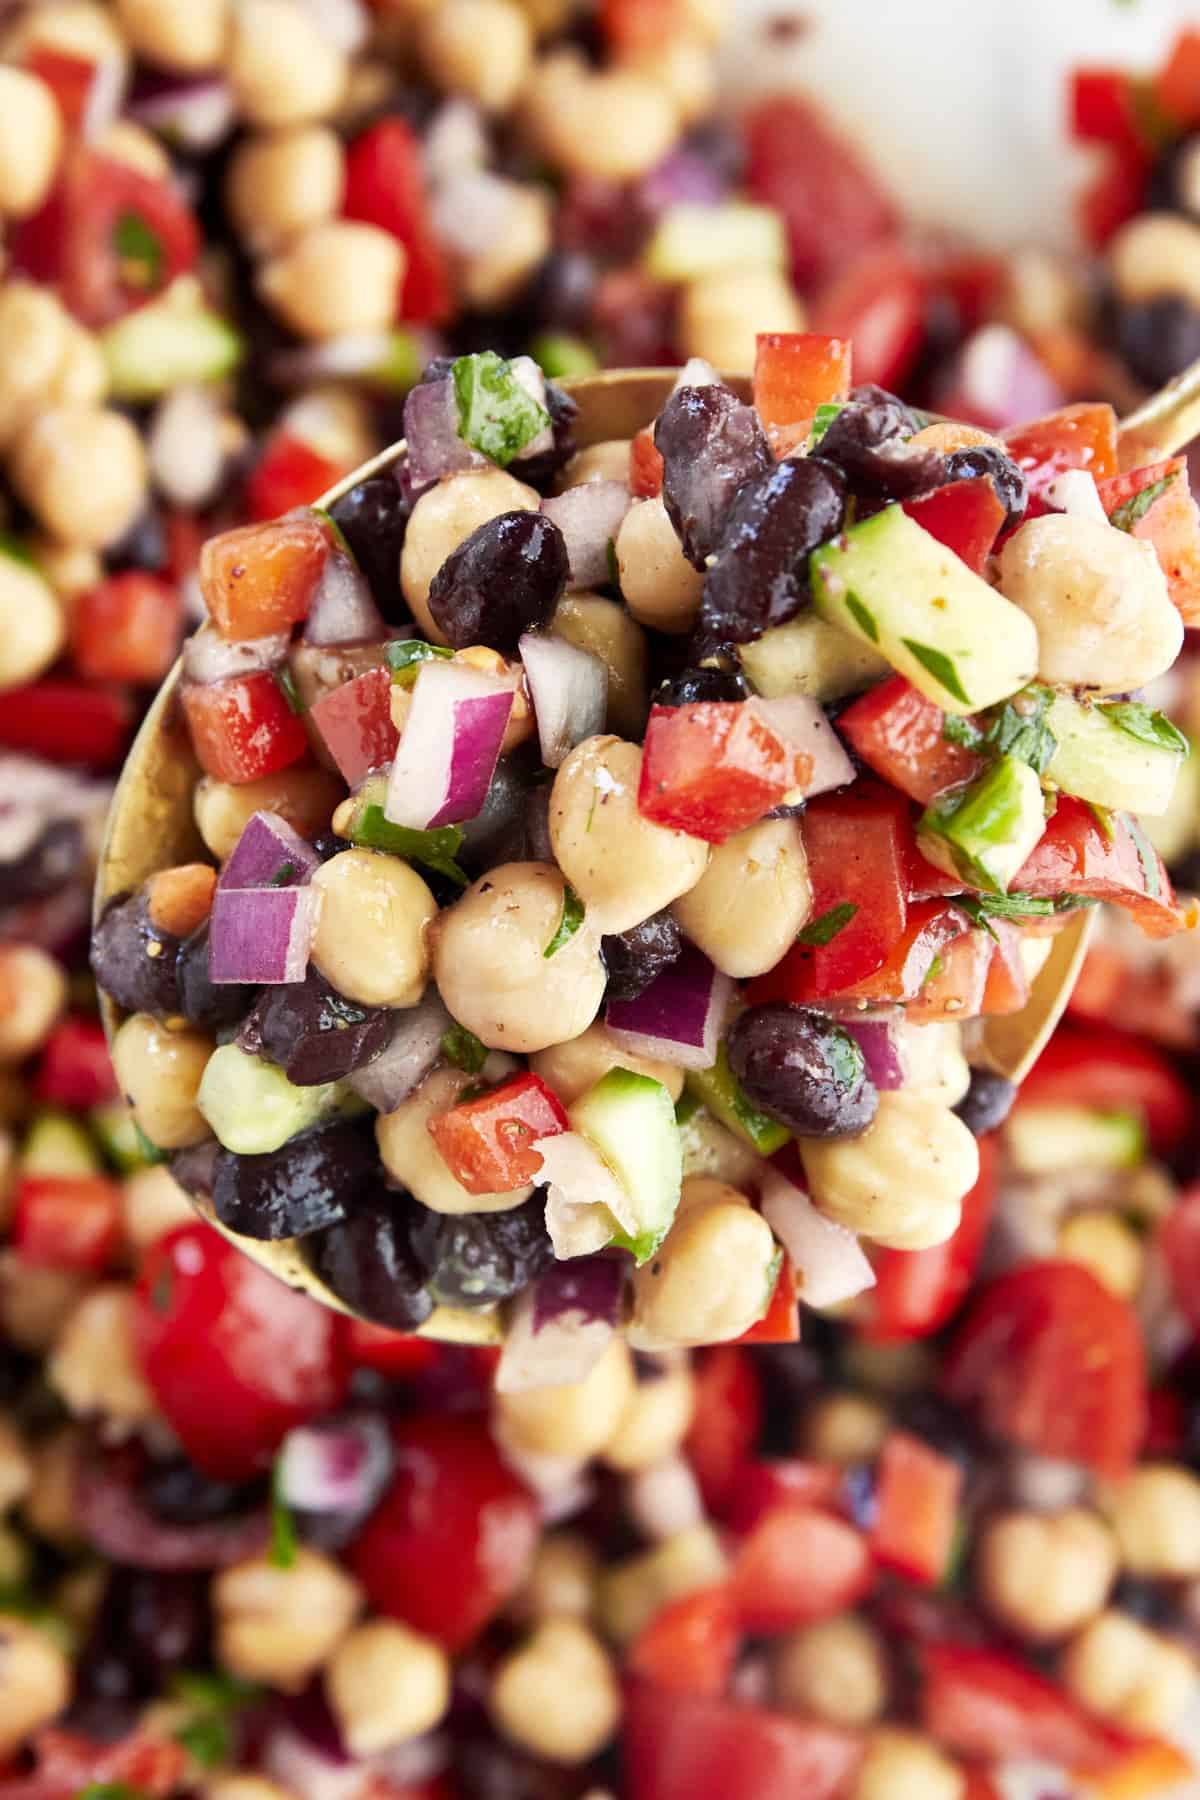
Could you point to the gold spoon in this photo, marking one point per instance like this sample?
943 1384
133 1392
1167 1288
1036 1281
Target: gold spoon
151 824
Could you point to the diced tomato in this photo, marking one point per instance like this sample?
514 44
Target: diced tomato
799 1564
898 732
487 1143
986 1704
288 473
1177 84
126 236
797 371
966 516
688 1647
1074 437
766 1483
1114 195
75 1069
1051 1360
1077 855
67 722
920 958
1103 109
1102 1067
918 1496
878 302
454 1534
67 1221
1171 524
780 1324
715 768
916 1292
694 1747
259 579
69 79
645 465
385 186
243 728
726 1419
1141 1773
393 1353
1179 1240
234 1357
185 533
632 27
127 629
355 723
1007 987
956 987
980 1786
68 1764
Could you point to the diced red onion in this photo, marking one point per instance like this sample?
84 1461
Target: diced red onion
450 746
561 1327
310 1773
560 1483
261 936
471 210
996 380
829 1260
1075 492
194 114
528 375
876 1038
696 373
587 1285
414 1047
801 722
266 845
583 1196
455 141
185 448
431 429
678 1018
209 658
589 517
1045 1483
104 96
664 1499
569 690
343 609
116 1521
338 1467
682 177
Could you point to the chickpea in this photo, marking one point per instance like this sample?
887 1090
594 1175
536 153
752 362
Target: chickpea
758 875
900 1764
32 627
491 966
69 568
33 992
1106 1245
35 1681
80 28
664 1499
684 68
1098 598
159 1072
655 1421
411 1157
835 1670
303 795
492 273
572 1068
1119 1668
710 1280
334 421
30 142
573 1421
557 1695
283 182
902 1181
658 583
614 124
708 19
185 35
951 434
127 143
1156 253
606 461
633 1591
279 1625
561 1582
284 70
1044 1575
35 1302
94 1366
844 1428
387 1683
340 276
1042 292
721 314
82 471
591 622
710 1149
1155 1512
49 1508
481 49
15 1558
444 518
16 1470
372 937
933 1060
152 1204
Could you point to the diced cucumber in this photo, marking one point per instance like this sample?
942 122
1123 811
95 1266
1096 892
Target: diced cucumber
57 1144
985 831
718 1089
630 1121
710 1149
558 354
893 586
807 656
1054 1140
253 1107
1174 831
692 240
122 1143
400 368
1098 760
164 345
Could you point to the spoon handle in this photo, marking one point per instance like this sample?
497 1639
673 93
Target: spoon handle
1165 423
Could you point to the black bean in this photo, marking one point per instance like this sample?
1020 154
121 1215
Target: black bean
306 1185
132 960
801 1068
1155 1603
1167 189
560 295
1012 489
144 545
636 957
314 1033
506 579
868 442
179 1493
476 1259
369 1262
760 576
1158 337
693 686
373 518
149 1625
58 855
214 1006
712 446
987 1102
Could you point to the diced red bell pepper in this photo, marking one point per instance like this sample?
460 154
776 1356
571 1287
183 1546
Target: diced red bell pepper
126 236
68 1764
260 579
127 628
799 1564
1102 1067
1171 524
242 728
1114 195
385 186
878 302
1074 437
645 465
696 1747
689 1647
67 722
715 768
966 516
987 1704
932 928
1103 109
289 473
355 723
69 79
916 1292
1177 84
898 731
634 27
67 1221
918 1496
797 371
1007 987
766 1483
780 1324
726 1419
958 983
487 1143
1076 855
393 1353
75 1069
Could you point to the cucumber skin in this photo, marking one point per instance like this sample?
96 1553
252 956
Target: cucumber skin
629 1120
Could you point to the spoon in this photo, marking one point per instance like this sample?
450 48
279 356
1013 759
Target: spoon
151 825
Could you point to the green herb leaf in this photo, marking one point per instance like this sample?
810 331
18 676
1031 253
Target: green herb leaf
957 730
139 250
282 875
569 920
1147 855
462 1048
819 932
560 355
937 967
687 1106
774 1270
435 849
207 1740
1146 725
214 1690
336 535
1104 820
108 1790
405 657
15 550
1019 728
215 1699
1138 505
940 666
981 909
496 415
150 1153
283 1527
291 693
823 418
614 567
862 616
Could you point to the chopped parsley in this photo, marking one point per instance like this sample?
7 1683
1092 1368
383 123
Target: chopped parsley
862 616
687 1106
405 657
614 567
981 909
282 1553
1127 515
138 250
149 1153
462 1048
823 930
282 875
1146 725
435 849
108 1790
1017 729
214 1700
569 920
497 415
289 690
1104 820
823 418
940 666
